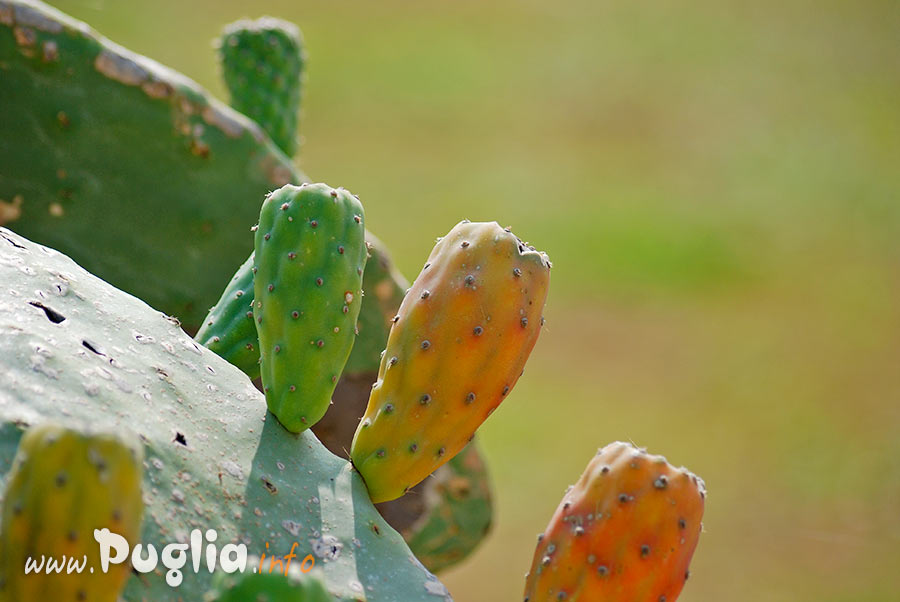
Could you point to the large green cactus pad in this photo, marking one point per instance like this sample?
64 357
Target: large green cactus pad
130 168
74 347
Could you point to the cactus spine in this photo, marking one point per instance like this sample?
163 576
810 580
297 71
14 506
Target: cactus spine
310 254
624 533
458 345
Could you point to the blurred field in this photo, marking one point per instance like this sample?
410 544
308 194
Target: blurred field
718 184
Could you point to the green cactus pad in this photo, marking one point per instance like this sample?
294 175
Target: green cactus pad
263 65
65 483
74 348
279 584
229 329
310 253
127 166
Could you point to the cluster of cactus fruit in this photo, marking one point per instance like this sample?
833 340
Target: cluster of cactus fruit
111 416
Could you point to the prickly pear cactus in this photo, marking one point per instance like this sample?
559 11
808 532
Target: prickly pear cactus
263 65
73 348
64 484
449 514
93 134
458 345
310 252
284 583
229 329
625 531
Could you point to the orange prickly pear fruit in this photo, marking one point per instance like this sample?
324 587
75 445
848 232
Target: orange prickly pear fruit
456 348
624 533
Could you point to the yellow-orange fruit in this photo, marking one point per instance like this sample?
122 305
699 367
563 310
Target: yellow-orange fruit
625 532
458 345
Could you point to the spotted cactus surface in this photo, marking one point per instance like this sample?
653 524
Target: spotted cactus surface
74 348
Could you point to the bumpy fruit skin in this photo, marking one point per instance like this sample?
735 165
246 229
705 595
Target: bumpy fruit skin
263 65
624 533
457 347
310 253
229 329
63 485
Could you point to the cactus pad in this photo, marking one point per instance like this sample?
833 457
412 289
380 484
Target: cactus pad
263 67
228 328
129 167
288 584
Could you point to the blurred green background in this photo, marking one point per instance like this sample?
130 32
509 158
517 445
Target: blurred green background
718 185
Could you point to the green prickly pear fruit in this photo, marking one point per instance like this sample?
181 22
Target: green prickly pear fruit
310 253
63 485
288 585
457 347
624 533
229 329
263 65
